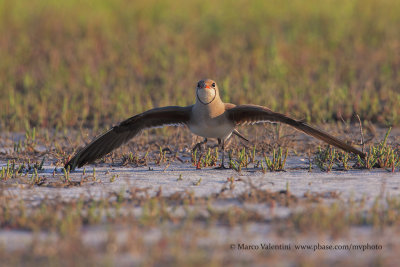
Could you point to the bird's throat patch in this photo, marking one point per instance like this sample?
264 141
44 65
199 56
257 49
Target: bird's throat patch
206 96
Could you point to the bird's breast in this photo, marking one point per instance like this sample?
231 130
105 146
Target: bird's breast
211 127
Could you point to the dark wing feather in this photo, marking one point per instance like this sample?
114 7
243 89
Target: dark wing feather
126 130
249 114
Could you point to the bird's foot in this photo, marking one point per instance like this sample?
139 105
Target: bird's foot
167 149
197 146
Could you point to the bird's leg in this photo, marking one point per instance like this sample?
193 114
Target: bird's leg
198 145
223 154
222 143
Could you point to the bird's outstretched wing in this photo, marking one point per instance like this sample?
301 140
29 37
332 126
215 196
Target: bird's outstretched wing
120 134
250 114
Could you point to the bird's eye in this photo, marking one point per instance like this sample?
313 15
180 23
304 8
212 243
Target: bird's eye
213 84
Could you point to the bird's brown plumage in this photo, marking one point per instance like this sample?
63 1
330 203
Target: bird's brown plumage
208 117
126 130
250 114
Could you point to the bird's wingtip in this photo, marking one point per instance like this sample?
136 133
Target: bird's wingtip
71 164
69 167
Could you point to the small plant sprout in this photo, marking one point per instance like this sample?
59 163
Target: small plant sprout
210 159
38 166
130 158
325 159
66 177
231 181
344 158
263 168
278 161
207 159
30 138
162 157
381 156
243 158
253 154
112 179
36 180
198 182
309 161
198 164
194 157
7 172
18 146
167 166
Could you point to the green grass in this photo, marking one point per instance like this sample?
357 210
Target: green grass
379 155
278 160
93 63
25 155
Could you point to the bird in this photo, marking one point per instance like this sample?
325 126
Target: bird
208 117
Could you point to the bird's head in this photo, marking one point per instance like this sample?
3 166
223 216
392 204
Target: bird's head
207 91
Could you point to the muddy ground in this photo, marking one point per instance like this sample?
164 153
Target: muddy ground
162 209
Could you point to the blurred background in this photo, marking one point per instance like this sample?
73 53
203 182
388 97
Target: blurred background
70 64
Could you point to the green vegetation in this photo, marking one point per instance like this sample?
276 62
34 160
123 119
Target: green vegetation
207 159
278 161
93 63
381 155
339 216
28 154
